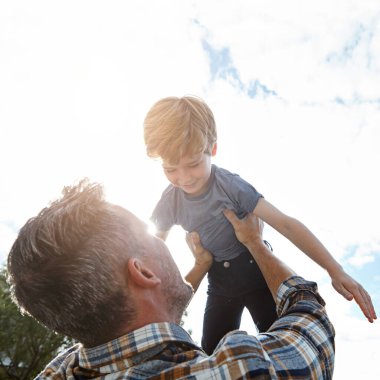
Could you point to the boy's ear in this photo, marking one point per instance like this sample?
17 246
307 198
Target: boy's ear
214 149
141 275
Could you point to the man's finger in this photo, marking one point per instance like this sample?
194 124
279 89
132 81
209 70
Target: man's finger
231 216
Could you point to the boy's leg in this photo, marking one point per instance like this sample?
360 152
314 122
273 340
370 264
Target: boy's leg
262 308
222 315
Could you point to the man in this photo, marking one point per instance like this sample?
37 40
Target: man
90 270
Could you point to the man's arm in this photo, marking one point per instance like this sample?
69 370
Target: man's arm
249 232
301 341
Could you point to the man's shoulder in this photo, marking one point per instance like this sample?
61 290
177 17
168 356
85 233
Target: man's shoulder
232 342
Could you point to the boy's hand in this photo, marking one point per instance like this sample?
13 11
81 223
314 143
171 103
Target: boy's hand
201 255
248 229
203 260
351 289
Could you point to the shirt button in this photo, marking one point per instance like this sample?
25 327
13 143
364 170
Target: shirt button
226 264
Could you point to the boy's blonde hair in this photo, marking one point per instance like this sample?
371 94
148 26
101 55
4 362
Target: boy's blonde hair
175 127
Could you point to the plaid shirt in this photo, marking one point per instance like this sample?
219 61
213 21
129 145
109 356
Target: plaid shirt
299 345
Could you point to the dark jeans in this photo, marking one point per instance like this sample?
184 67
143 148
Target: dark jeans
232 287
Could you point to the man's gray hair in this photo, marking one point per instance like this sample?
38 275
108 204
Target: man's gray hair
63 267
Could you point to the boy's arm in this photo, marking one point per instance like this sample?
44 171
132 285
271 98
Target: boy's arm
308 243
203 260
162 234
298 234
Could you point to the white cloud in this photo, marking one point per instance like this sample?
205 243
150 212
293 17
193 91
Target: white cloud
360 260
364 254
301 52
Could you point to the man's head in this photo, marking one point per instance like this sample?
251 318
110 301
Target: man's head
177 127
88 269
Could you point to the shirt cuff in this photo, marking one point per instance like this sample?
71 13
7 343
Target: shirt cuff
294 289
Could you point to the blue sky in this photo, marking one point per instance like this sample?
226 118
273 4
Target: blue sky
294 87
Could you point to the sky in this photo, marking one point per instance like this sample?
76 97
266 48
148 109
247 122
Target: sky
294 87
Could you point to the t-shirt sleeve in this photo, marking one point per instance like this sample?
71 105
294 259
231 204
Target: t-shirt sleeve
163 214
243 194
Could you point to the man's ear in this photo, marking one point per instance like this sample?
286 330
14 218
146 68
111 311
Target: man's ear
214 149
141 275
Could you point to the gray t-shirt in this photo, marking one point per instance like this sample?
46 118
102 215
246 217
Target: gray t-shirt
204 213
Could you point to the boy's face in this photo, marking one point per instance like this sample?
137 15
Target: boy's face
191 173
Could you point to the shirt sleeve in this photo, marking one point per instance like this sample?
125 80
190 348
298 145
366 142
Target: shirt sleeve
243 194
299 345
163 216
302 338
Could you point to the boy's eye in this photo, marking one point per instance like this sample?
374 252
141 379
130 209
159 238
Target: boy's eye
194 165
169 170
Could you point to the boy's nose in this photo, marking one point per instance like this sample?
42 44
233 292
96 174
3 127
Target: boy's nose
184 176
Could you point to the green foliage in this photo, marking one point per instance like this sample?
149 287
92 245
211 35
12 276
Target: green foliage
25 345
182 322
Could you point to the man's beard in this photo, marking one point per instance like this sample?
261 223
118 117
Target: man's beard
178 294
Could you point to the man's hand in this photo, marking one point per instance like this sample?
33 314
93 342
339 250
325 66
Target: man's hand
248 229
249 232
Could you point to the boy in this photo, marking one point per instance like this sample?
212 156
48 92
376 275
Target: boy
182 133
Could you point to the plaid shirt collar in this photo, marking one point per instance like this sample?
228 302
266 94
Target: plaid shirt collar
134 348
